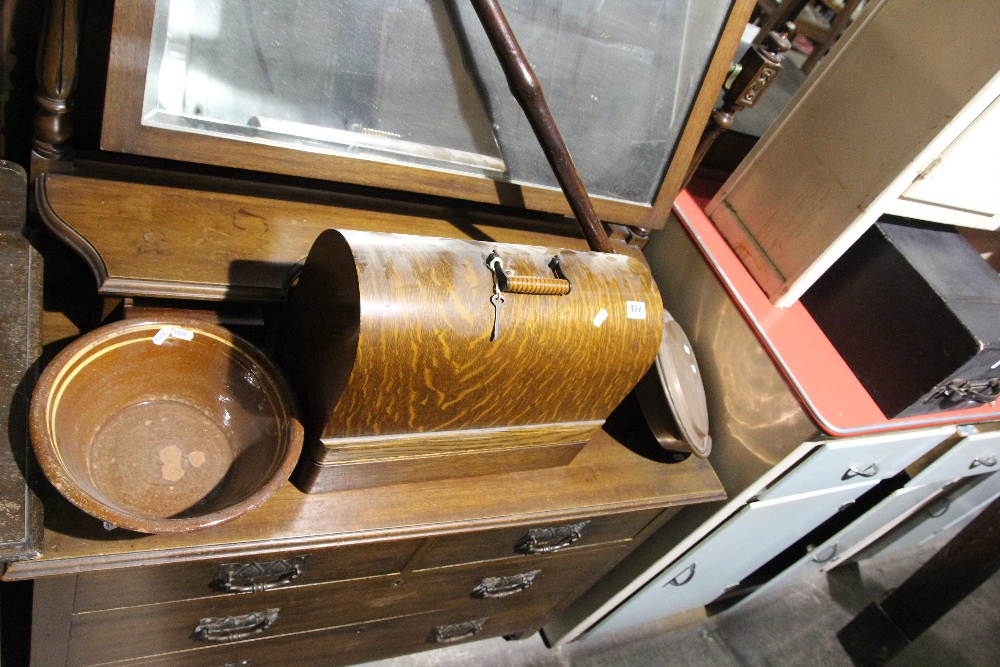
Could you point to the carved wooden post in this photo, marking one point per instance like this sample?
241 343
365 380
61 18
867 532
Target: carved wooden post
757 70
57 61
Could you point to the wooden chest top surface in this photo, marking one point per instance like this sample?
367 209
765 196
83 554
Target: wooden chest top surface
605 478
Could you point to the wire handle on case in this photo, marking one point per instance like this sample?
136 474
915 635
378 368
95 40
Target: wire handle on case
506 280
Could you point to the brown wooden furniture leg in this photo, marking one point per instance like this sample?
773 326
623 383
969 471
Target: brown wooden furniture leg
839 24
57 63
785 12
883 629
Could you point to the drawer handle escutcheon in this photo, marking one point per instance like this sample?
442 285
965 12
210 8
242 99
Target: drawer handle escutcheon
868 471
235 628
987 461
833 549
257 577
547 540
456 632
680 579
501 587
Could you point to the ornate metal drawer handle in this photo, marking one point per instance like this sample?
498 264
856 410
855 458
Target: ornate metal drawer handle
680 579
870 470
456 632
257 577
834 548
547 540
501 587
988 461
235 628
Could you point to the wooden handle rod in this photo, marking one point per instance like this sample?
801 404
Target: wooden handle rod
528 92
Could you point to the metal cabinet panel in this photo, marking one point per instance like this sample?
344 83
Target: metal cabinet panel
877 522
752 536
849 461
974 455
941 516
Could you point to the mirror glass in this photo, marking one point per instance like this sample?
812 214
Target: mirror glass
416 82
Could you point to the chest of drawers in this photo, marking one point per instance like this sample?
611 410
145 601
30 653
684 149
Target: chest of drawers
345 577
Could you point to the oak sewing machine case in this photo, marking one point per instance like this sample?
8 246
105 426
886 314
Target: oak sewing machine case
413 363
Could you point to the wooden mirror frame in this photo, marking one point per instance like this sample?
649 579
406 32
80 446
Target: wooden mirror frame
122 131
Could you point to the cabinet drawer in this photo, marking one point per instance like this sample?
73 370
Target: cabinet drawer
852 460
751 537
518 586
350 644
535 539
164 583
974 455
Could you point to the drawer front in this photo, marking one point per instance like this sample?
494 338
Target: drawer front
535 539
351 644
747 540
976 454
164 583
947 516
528 586
853 460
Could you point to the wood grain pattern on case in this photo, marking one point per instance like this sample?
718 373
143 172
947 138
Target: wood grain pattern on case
438 442
157 241
372 471
403 345
391 335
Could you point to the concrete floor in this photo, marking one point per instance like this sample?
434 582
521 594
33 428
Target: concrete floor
794 625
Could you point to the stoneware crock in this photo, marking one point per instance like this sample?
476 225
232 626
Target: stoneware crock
164 425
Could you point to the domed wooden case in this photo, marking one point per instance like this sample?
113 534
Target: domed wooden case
390 346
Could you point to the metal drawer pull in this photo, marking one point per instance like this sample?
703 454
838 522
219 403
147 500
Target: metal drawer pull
680 579
834 548
547 540
988 461
456 632
501 587
257 577
939 510
869 471
235 628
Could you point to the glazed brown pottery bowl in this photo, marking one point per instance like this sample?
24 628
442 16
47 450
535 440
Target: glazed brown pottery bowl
164 426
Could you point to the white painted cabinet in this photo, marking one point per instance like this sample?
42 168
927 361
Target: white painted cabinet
751 537
917 512
958 187
800 493
878 128
848 461
943 517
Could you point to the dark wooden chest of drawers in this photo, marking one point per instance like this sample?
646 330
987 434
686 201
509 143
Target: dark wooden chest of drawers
345 577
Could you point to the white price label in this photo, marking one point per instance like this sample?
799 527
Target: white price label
172 332
635 310
602 315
